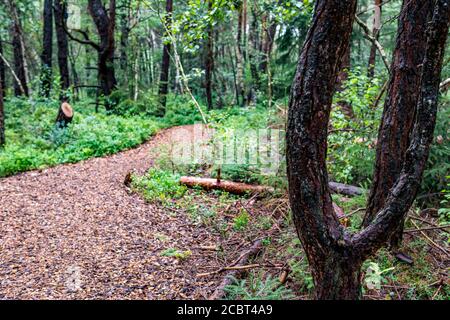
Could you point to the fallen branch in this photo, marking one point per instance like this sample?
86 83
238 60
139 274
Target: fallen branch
254 250
228 186
345 189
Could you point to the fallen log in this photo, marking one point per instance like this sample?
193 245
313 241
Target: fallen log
345 189
65 115
243 188
238 270
228 186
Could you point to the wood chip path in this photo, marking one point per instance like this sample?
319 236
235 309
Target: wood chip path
75 232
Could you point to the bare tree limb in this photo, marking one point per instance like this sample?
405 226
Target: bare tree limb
371 38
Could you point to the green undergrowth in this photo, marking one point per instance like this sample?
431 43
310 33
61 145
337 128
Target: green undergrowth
34 142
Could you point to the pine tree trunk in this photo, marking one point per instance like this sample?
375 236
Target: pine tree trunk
63 45
47 49
165 64
400 107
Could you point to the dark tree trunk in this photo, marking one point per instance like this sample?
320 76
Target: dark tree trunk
19 58
400 106
376 35
2 118
253 58
165 64
209 61
63 44
124 35
105 27
309 112
47 49
240 53
334 254
2 69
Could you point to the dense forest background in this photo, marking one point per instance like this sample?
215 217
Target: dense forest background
129 68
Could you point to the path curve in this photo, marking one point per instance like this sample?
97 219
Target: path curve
75 232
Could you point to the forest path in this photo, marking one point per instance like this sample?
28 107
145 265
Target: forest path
75 232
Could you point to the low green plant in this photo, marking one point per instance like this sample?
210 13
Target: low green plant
34 142
159 186
255 288
241 221
175 253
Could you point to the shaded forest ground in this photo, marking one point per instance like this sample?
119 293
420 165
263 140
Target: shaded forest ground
281 271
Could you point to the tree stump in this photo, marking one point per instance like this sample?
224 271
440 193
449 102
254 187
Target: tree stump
65 115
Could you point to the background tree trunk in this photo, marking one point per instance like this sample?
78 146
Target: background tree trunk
2 69
209 61
19 58
63 45
335 256
47 49
376 34
400 107
2 118
105 27
309 111
165 64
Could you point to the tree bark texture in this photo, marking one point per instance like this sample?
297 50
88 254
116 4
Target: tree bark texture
400 106
19 57
336 255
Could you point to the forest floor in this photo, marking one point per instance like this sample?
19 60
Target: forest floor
77 232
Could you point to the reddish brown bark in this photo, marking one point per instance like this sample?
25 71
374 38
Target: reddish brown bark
400 107
334 254
228 186
334 267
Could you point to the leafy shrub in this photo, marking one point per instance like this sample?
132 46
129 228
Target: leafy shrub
33 141
159 186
